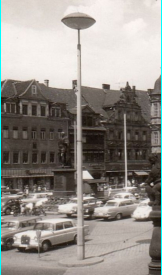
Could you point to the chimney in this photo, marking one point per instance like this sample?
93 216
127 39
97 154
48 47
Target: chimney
74 84
46 82
133 88
106 86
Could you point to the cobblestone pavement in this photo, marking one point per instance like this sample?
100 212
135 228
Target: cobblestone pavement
124 246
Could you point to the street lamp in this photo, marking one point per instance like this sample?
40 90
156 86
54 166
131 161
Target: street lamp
79 21
125 148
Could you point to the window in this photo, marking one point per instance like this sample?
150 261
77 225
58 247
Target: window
43 110
43 157
136 116
34 133
34 89
144 136
51 137
15 157
155 138
59 226
136 135
87 121
137 154
5 132
111 154
129 135
56 111
15 132
119 115
6 157
43 134
25 109
120 134
34 145
25 158
129 154
68 225
128 116
155 109
25 133
34 110
144 154
60 131
111 134
34 158
52 157
120 153
11 108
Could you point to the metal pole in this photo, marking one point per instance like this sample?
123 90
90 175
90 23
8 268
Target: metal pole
80 227
125 148
75 149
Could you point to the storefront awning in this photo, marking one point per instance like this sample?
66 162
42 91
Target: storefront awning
141 173
87 175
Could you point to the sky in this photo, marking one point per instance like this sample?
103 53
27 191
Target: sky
123 45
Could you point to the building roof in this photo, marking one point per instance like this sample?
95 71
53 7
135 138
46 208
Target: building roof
95 98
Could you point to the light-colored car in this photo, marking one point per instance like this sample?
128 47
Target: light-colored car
70 208
143 210
34 197
53 232
11 226
115 209
125 195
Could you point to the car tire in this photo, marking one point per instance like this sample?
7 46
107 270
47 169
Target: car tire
8 211
8 244
21 249
45 246
118 216
75 239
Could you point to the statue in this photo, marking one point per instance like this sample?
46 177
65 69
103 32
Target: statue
153 182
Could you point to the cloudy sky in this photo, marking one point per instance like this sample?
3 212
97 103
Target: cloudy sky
123 45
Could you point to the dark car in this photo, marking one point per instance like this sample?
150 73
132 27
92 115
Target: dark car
8 205
9 227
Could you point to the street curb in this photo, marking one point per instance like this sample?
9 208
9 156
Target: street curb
74 262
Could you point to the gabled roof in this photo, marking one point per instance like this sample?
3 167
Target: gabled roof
7 88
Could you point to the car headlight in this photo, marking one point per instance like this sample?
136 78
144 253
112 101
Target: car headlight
15 238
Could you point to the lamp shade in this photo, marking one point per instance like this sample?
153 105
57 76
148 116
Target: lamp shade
78 21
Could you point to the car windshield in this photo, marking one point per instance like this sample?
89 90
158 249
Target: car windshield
119 196
8 225
111 203
143 204
72 201
43 226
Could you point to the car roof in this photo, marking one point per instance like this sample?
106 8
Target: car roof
124 193
54 220
119 200
21 219
84 198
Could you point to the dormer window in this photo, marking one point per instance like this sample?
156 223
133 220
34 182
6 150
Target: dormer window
34 89
56 111
10 108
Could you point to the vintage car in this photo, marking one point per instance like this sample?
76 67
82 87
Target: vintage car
7 205
115 209
34 197
70 208
143 210
48 233
125 195
11 226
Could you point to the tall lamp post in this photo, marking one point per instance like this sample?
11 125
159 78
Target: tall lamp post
79 21
125 148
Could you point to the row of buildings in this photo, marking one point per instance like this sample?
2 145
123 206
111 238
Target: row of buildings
39 134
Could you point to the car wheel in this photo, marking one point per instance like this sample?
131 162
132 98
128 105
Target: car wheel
21 249
9 243
8 211
75 239
118 216
68 215
45 246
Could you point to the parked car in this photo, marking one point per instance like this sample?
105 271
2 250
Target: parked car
11 226
70 208
53 232
34 197
7 205
143 210
115 209
125 195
